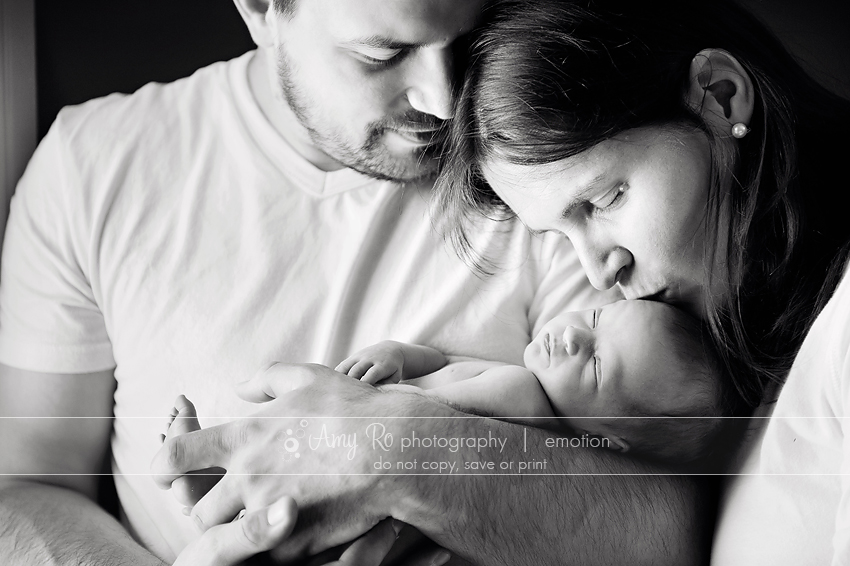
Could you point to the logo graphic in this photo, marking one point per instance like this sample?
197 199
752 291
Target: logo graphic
291 444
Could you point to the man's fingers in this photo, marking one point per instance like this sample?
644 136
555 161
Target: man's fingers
371 548
257 389
433 557
189 489
279 379
219 505
232 543
207 448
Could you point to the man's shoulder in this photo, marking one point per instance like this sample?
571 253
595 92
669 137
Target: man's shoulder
156 108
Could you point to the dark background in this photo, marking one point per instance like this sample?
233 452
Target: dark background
89 49
93 48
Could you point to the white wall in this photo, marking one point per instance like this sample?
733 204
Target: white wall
17 96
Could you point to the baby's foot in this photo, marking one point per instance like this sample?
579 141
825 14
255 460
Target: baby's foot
183 419
189 489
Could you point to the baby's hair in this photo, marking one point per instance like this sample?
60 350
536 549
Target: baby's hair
685 433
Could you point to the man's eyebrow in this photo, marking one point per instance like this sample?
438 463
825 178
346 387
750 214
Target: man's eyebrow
379 42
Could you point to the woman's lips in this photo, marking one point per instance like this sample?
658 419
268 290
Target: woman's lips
660 295
657 296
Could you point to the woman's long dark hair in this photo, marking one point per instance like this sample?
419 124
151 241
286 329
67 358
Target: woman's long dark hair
549 79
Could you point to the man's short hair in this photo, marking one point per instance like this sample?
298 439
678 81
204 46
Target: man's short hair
285 7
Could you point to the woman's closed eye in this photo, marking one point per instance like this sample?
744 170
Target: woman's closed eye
613 197
597 363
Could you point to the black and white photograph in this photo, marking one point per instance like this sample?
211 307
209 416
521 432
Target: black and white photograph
424 283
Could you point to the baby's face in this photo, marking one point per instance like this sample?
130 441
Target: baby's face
595 363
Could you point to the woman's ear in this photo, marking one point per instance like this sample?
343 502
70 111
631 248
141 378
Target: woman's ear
720 90
257 14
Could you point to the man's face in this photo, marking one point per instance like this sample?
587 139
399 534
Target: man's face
371 80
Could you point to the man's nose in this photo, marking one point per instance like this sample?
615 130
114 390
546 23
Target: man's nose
604 265
430 81
578 342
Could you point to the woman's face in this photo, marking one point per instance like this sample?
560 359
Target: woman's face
635 208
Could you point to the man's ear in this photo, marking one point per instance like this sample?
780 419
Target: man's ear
720 90
256 14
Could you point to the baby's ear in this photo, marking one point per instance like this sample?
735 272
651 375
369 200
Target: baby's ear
616 443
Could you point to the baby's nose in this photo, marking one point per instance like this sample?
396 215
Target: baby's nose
575 340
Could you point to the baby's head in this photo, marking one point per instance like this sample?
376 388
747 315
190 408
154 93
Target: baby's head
607 370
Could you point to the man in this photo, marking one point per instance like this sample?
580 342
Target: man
271 208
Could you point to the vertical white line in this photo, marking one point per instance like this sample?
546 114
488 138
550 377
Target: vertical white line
524 439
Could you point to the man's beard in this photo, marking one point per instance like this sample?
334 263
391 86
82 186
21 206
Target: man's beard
371 157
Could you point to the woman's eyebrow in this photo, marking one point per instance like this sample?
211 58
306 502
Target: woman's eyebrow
581 197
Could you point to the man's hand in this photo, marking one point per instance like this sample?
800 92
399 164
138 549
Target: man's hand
291 448
383 361
258 531
232 543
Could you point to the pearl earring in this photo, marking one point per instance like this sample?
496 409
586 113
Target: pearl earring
740 130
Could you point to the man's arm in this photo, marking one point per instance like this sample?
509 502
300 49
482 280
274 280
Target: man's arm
54 433
588 506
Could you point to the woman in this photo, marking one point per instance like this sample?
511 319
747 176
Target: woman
689 159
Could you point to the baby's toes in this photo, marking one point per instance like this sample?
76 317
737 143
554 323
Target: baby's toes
184 418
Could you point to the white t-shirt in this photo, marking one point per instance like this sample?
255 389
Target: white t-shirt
175 236
791 503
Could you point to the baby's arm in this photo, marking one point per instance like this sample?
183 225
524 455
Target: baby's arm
490 388
392 361
506 392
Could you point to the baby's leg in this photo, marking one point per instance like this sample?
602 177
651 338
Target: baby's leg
189 489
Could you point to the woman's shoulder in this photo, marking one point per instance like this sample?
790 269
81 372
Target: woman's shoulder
792 454
831 328
820 376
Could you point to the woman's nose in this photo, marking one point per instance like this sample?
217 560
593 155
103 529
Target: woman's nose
604 266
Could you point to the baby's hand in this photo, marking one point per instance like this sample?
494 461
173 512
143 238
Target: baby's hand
382 362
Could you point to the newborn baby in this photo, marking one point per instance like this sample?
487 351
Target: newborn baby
635 373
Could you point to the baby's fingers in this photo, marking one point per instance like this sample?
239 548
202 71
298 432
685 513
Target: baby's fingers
380 373
346 364
360 369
